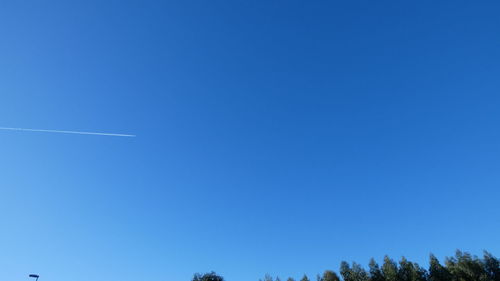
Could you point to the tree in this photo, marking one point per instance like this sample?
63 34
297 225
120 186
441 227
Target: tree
420 274
405 271
304 278
345 271
461 267
211 276
465 267
390 269
329 275
375 272
437 272
409 271
359 273
356 273
491 266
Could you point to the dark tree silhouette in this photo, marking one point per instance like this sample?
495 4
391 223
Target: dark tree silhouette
211 276
329 275
492 267
461 267
375 271
390 269
437 272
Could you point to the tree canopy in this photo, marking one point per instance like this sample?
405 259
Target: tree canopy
461 267
211 276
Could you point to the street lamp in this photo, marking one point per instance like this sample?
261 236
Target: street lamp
34 276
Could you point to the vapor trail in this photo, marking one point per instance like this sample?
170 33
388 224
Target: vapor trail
65 132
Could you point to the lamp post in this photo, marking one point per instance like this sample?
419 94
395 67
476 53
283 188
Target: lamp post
34 276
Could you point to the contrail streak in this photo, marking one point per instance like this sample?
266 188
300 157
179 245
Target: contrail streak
66 132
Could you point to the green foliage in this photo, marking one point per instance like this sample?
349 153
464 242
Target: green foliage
492 267
437 272
409 271
345 271
390 269
211 276
354 273
465 267
375 271
329 275
461 267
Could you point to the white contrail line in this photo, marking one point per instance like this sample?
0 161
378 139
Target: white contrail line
65 132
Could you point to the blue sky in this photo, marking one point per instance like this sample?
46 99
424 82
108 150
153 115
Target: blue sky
272 136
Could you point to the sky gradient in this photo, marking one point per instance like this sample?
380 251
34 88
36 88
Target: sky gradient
275 137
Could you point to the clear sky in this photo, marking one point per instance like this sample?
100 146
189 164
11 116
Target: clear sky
272 136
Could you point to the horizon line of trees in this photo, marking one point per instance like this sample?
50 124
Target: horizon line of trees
461 267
